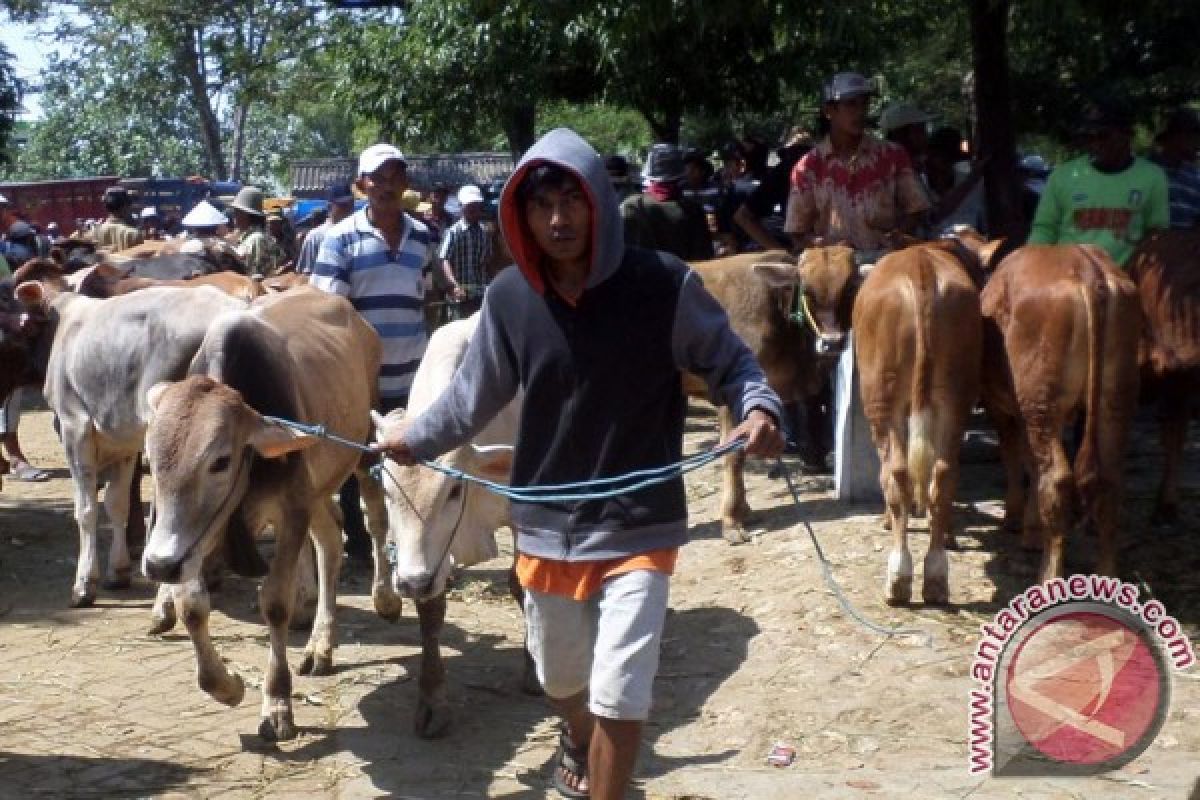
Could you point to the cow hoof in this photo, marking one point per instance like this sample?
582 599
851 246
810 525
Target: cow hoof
936 592
279 727
734 534
431 721
83 598
388 604
315 665
161 624
121 579
232 694
899 591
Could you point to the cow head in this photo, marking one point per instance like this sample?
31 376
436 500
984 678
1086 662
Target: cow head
27 322
827 279
201 440
435 521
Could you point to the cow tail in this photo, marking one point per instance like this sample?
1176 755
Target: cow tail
1094 288
921 452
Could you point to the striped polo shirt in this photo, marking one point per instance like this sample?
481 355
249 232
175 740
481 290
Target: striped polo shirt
385 287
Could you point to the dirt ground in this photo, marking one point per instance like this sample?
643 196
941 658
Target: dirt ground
756 652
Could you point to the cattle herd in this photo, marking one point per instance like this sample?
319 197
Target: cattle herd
1053 342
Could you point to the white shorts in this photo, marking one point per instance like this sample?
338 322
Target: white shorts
607 644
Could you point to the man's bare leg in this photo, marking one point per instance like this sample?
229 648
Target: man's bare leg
612 756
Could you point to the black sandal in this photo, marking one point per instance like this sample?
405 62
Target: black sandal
573 761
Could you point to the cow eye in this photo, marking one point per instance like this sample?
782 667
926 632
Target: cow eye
220 465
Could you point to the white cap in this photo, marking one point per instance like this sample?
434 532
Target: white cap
469 194
149 211
376 156
204 215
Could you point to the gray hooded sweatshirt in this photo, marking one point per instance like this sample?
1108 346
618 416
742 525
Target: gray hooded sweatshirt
602 377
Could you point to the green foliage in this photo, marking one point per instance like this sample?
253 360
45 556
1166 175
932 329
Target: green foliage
610 129
10 102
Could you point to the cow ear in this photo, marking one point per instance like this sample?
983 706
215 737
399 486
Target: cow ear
493 462
777 274
31 293
382 423
276 441
154 395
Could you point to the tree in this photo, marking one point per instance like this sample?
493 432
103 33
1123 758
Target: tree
10 102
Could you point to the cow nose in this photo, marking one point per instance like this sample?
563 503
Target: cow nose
413 585
163 571
831 344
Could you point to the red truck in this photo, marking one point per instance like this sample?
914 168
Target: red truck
43 202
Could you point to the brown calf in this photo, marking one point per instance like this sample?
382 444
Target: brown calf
1060 337
1166 267
918 344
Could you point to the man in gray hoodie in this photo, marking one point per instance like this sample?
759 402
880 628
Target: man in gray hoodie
597 335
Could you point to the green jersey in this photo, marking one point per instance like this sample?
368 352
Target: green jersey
1082 205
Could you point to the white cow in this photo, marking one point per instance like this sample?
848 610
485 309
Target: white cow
437 522
99 358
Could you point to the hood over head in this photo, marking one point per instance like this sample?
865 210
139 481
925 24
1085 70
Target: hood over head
567 149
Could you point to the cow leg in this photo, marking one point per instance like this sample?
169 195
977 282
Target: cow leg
191 598
897 493
307 589
135 528
327 535
388 603
1173 435
278 722
433 709
935 587
162 616
1012 455
530 684
734 508
1055 490
81 456
116 505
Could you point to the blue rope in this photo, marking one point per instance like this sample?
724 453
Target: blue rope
557 493
562 493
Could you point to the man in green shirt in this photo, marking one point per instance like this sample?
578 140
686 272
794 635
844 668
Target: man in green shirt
1109 197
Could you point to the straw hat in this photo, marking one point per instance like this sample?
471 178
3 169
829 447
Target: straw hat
204 215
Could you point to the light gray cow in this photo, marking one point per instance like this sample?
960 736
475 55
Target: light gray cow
437 522
222 471
99 358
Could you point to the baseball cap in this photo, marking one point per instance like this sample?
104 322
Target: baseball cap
376 156
901 115
339 193
664 163
20 229
845 85
469 194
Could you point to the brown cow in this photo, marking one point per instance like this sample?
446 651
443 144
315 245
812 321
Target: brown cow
109 280
743 285
1166 267
918 344
1061 337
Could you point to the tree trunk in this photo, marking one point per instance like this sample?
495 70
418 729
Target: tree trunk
994 134
239 139
520 127
665 128
189 61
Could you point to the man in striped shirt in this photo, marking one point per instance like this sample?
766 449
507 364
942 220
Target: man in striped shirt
466 250
375 257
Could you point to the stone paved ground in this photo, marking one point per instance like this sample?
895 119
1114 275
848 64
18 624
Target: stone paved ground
756 651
